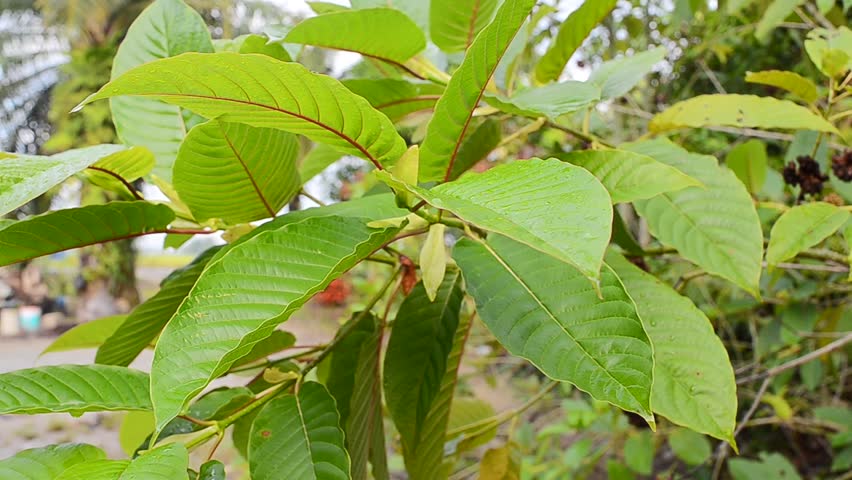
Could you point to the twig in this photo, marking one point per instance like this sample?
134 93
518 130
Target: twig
712 77
799 361
313 198
121 179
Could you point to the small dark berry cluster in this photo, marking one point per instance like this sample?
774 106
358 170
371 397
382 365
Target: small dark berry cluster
842 165
807 175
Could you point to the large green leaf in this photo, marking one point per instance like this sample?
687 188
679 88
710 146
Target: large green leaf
550 100
78 227
694 382
25 177
243 295
770 465
91 334
455 23
738 111
749 163
46 463
115 172
545 311
168 462
715 226
802 227
619 76
381 33
299 436
147 320
571 34
830 50
425 460
262 92
630 176
794 83
521 199
236 172
396 98
416 358
165 29
344 362
73 388
454 111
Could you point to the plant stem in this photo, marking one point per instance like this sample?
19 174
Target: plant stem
499 419
799 361
523 132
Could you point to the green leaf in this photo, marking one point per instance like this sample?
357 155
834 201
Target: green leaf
417 354
382 33
465 429
86 335
73 388
802 227
433 260
454 111
277 341
738 111
364 425
236 172
168 462
396 98
317 160
417 10
115 171
545 311
520 200
147 320
693 379
749 163
630 176
25 177
639 452
770 465
321 8
61 230
96 470
46 463
715 226
165 29
794 83
243 295
212 470
550 101
253 43
299 436
735 6
693 448
344 362
619 76
830 50
455 23
773 16
476 146
262 92
571 34
425 462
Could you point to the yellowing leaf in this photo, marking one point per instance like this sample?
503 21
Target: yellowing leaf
739 111
794 83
